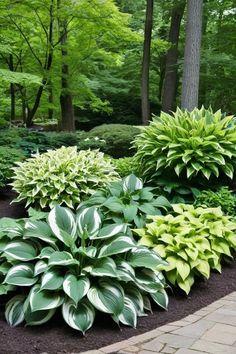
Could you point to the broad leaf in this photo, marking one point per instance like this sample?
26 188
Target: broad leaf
76 287
21 275
63 224
14 310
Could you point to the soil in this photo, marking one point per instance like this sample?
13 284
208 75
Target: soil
55 337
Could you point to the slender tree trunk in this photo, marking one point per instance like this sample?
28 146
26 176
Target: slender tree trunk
146 63
171 70
50 101
190 82
12 91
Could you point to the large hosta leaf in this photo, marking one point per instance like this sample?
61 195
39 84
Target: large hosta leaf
21 250
63 224
80 317
128 316
52 280
39 229
61 259
33 318
14 310
109 231
102 267
143 257
134 294
120 244
89 223
107 296
76 287
161 298
124 271
44 299
131 183
21 275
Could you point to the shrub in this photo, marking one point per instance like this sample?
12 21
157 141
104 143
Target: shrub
57 140
222 198
126 166
91 143
192 241
3 123
128 201
76 263
118 138
8 157
62 176
197 144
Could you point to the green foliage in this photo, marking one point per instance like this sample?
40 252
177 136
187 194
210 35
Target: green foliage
56 140
192 241
8 157
223 198
3 123
118 138
199 144
126 166
91 143
80 264
62 176
128 201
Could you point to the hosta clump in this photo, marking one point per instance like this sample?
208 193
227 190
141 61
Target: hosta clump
126 166
63 176
78 263
128 201
188 144
192 241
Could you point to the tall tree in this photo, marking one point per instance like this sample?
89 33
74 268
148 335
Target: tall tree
146 62
171 64
191 69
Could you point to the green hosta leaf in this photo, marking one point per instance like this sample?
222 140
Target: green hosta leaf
186 284
161 202
76 287
40 267
143 257
161 298
23 251
204 268
11 227
206 172
43 299
63 224
109 231
46 252
61 259
21 275
130 211
14 310
52 280
89 223
33 318
114 204
104 267
183 268
5 288
80 317
131 183
133 293
148 209
148 281
39 229
119 245
107 296
146 303
229 170
128 316
124 271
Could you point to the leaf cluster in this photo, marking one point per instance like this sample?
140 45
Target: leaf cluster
8 158
126 166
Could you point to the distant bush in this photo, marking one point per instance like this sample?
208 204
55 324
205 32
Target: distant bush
56 140
118 138
3 123
126 166
8 157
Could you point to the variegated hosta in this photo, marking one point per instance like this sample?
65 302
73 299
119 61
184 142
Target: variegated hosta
62 176
82 265
189 144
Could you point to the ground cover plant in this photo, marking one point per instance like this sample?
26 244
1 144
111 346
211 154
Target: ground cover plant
63 176
8 158
80 264
128 201
126 166
198 144
192 241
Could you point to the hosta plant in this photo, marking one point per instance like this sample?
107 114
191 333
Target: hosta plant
126 166
78 264
62 176
198 144
192 241
128 201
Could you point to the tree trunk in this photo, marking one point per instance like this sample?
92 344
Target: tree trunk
12 91
50 101
171 70
191 70
146 63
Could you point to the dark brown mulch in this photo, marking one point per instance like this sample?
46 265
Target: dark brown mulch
55 337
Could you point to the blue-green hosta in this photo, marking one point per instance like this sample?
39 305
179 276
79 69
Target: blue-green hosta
62 176
188 144
81 265
192 241
128 201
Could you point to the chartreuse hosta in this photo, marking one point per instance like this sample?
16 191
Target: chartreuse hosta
128 201
192 241
80 264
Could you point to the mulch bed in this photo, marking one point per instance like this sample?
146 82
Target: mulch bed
55 337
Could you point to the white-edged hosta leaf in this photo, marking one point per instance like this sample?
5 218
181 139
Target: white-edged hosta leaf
52 280
61 259
88 222
40 267
22 250
124 271
109 231
146 303
44 299
46 252
14 310
131 183
107 296
148 281
104 267
134 294
80 317
128 316
130 212
5 288
120 244
161 298
21 275
33 318
63 225
76 287
39 229
143 257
